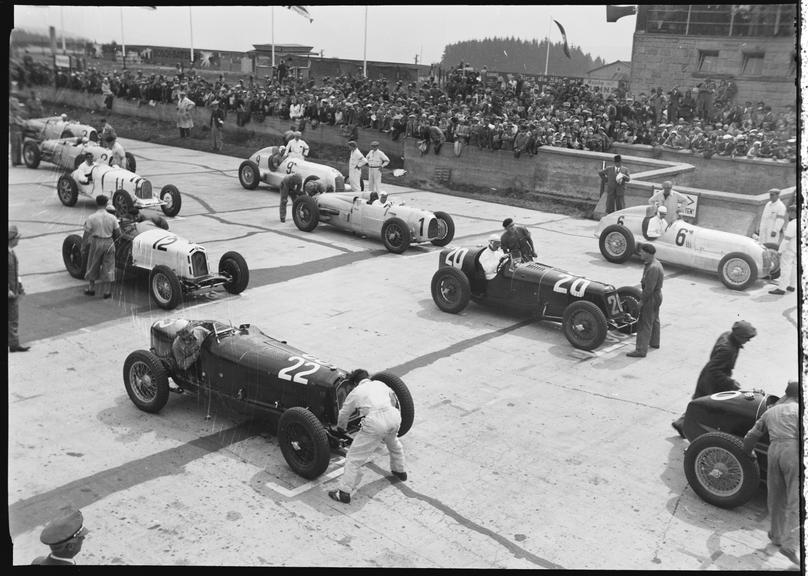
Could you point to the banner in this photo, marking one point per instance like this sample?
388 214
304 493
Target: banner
564 36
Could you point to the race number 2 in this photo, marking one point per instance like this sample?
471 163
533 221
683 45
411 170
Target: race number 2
576 288
456 256
163 241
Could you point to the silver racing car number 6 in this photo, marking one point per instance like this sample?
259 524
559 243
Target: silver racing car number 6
456 256
302 366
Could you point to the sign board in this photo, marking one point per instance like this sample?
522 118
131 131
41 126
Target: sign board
604 85
689 209
61 61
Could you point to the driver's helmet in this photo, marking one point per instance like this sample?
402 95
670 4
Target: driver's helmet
494 242
313 187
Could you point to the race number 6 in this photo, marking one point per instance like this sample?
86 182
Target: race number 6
456 256
680 236
621 219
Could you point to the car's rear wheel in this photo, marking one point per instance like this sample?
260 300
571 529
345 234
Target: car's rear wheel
131 163
446 229
719 471
616 243
737 271
249 175
67 190
405 403
172 198
630 301
165 287
305 213
451 290
584 325
73 256
146 381
234 266
304 442
396 235
31 154
122 202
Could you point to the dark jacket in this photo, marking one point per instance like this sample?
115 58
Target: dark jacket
716 376
14 284
518 243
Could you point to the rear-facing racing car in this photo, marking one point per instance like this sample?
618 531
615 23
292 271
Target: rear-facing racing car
176 266
366 214
587 309
57 127
256 373
126 189
68 153
738 260
269 166
716 466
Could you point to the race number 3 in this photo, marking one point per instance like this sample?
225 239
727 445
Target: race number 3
576 288
456 256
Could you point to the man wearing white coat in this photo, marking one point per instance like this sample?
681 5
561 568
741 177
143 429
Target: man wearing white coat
773 219
788 256
355 162
376 160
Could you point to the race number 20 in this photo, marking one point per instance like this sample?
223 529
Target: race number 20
576 288
456 256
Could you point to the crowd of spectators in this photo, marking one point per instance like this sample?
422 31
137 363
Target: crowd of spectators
477 108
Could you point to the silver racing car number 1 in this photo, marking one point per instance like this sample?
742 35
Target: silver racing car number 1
455 257
302 366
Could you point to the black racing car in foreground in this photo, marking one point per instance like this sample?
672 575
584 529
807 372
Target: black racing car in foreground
716 466
263 375
586 309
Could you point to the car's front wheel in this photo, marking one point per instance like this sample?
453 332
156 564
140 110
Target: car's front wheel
405 403
122 202
584 325
146 381
234 266
737 271
451 290
446 229
305 213
630 301
172 199
31 154
719 471
67 190
396 235
616 243
165 287
248 175
304 442
73 256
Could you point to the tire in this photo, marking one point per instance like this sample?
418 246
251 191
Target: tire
630 298
451 290
146 381
78 161
67 190
719 471
73 256
248 175
774 257
131 163
396 235
446 224
584 325
616 243
232 264
305 213
304 442
405 403
737 271
172 198
165 287
122 202
31 154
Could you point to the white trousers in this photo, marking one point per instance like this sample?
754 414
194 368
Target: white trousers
374 179
354 179
377 427
788 270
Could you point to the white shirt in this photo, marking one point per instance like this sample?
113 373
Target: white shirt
295 111
356 160
772 221
297 147
489 260
377 159
83 172
118 155
367 396
656 227
675 203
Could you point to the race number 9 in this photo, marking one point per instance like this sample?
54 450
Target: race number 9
680 236
456 256
289 167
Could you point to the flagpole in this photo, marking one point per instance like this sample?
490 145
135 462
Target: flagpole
365 51
123 42
272 24
62 15
547 57
191 25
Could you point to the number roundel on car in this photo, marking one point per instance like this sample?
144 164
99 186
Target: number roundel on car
727 395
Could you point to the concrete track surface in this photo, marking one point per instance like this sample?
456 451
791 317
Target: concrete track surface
525 452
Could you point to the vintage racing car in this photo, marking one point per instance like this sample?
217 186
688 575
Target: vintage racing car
738 260
259 374
716 466
125 188
68 153
266 166
396 224
586 309
176 266
57 127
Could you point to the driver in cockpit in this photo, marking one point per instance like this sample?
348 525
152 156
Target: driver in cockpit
491 257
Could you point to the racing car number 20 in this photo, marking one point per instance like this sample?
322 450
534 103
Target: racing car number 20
455 257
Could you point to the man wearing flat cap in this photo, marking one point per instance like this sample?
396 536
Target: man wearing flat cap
376 160
615 178
781 423
653 276
517 242
15 290
773 220
185 121
65 535
355 162
716 376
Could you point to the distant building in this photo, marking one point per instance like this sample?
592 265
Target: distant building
753 45
609 76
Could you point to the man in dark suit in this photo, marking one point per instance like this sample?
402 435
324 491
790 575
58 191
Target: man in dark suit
65 535
15 290
615 177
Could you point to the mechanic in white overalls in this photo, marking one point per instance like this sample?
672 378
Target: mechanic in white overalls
376 161
381 420
788 256
297 148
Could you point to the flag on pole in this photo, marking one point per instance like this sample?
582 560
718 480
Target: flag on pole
302 11
564 36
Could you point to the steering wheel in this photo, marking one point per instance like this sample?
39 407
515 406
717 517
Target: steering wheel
504 263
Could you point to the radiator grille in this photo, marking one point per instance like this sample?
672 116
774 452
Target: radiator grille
199 264
144 190
432 231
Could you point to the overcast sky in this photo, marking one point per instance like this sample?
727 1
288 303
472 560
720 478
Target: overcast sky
394 33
